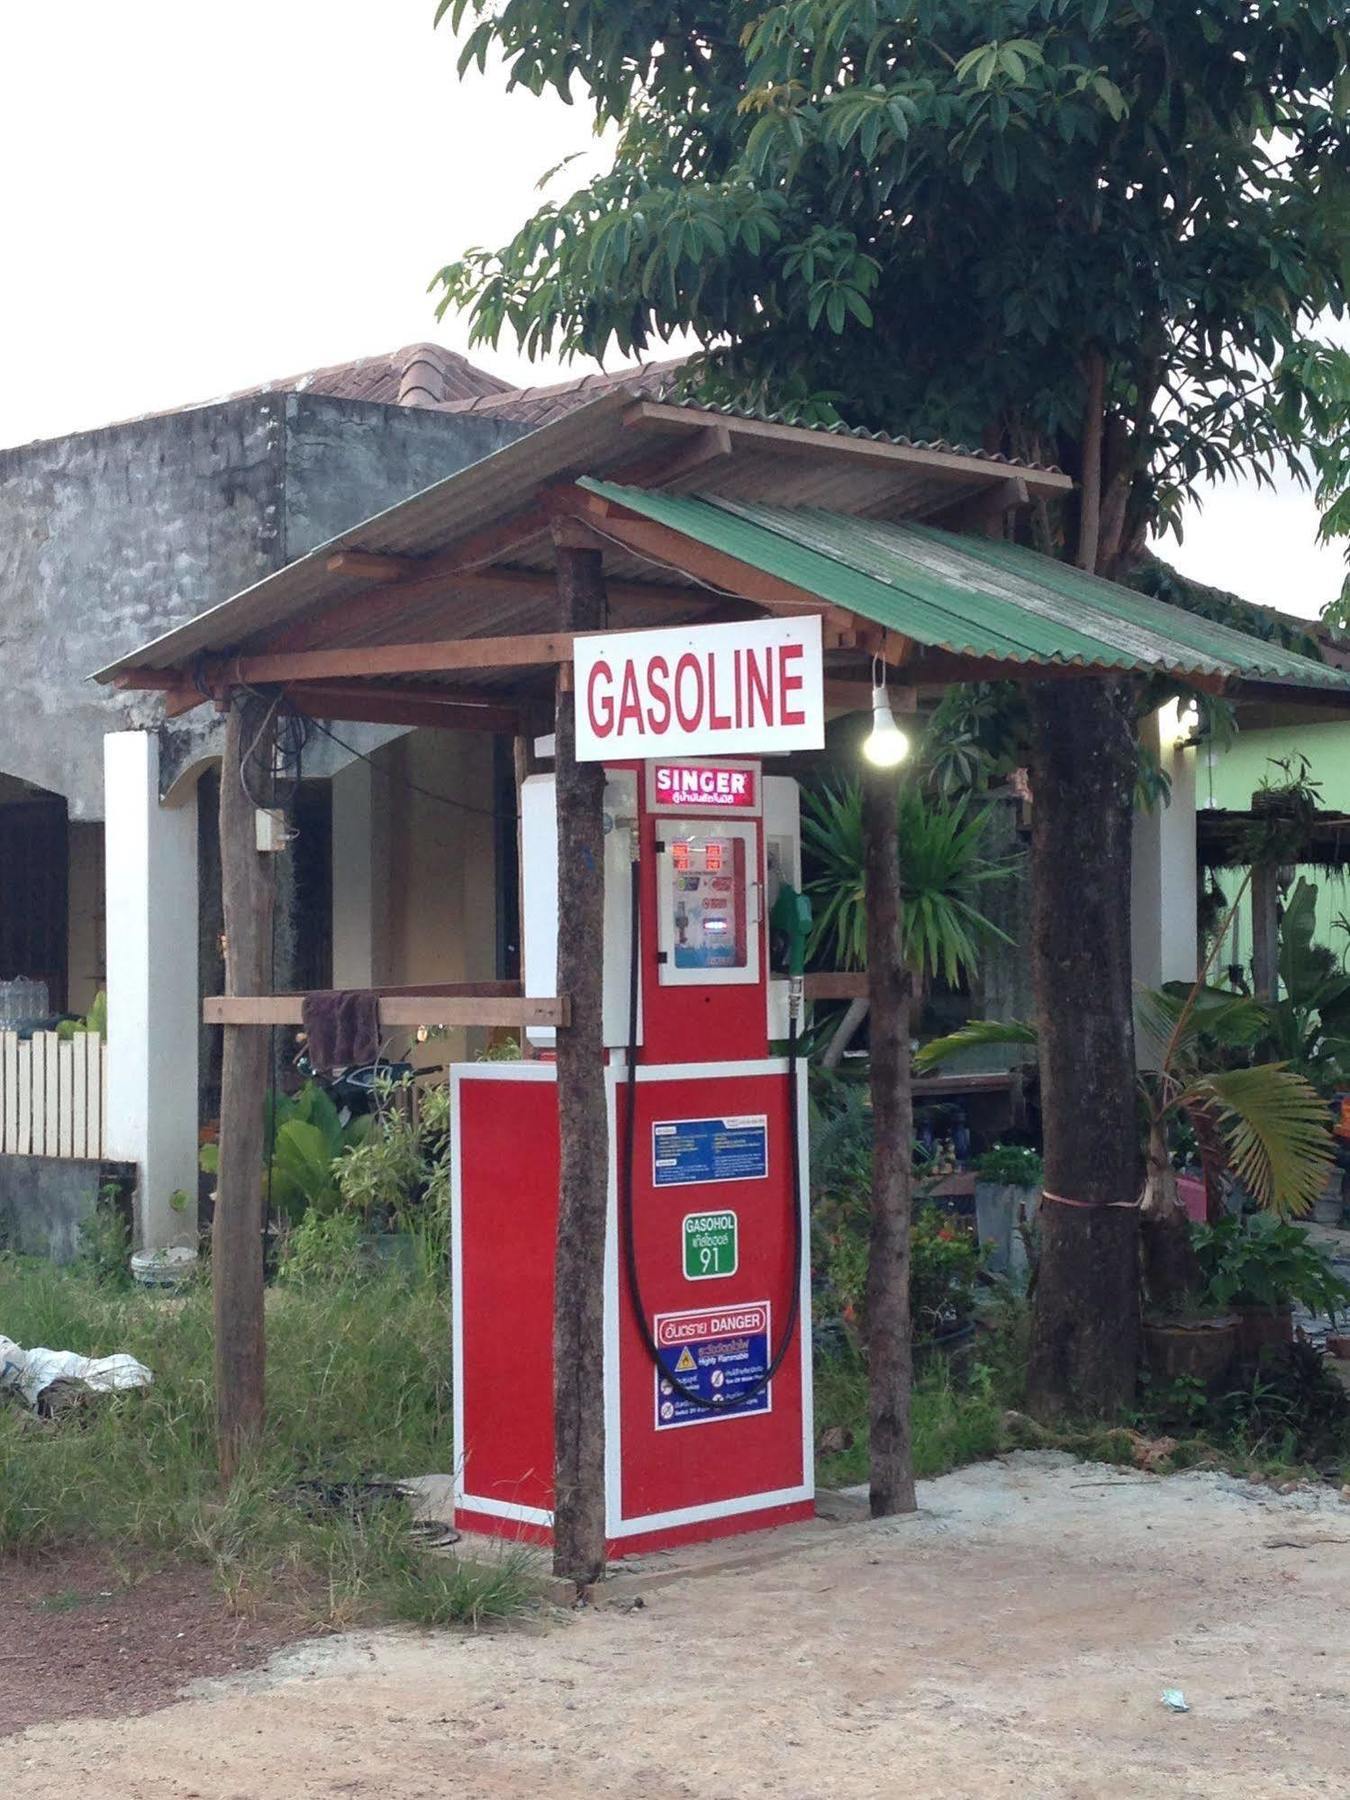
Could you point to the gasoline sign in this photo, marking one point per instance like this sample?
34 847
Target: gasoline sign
703 690
710 1246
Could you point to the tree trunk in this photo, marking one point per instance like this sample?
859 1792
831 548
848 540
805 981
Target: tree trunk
578 1298
891 1462
1090 484
248 896
1085 1314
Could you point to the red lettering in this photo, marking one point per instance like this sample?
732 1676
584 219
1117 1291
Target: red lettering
630 711
760 686
688 665
658 714
789 684
601 716
716 721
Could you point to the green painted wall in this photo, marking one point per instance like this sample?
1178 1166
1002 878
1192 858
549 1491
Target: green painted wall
1228 778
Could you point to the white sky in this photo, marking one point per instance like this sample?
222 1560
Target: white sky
199 198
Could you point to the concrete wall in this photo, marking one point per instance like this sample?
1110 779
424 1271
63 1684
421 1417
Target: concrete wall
346 460
44 1203
108 538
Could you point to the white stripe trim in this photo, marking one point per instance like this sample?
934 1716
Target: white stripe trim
716 1509
505 1509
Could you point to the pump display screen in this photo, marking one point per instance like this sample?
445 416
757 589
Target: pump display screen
708 901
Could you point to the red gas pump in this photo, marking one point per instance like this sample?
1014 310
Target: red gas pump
706 1389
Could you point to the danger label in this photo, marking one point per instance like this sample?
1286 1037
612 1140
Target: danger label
719 1358
702 1327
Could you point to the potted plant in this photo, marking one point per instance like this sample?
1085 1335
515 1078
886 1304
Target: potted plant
1008 1182
943 1268
1259 1267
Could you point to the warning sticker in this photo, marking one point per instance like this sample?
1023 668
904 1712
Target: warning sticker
688 1151
718 1353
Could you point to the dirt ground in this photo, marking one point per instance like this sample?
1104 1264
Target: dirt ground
83 1634
1012 1639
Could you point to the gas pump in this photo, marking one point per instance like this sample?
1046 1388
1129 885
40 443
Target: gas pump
706 1388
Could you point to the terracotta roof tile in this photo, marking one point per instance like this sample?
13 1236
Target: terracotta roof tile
417 375
541 405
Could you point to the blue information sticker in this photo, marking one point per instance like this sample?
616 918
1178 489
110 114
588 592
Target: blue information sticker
720 1354
688 1151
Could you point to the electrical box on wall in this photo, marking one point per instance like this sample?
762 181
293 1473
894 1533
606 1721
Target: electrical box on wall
272 835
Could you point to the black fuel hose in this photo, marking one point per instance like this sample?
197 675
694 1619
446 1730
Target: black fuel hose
640 1312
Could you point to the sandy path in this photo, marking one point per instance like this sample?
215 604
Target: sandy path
1012 1640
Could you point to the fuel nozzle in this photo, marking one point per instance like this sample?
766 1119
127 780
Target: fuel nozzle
790 923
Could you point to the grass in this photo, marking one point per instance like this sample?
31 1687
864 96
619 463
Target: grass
357 1385
963 1414
956 1415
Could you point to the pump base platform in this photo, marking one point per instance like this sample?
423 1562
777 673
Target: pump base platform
674 1537
635 1573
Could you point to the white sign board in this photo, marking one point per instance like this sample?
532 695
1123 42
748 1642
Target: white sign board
700 690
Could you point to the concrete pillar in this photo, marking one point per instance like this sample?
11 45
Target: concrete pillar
354 907
1163 886
151 876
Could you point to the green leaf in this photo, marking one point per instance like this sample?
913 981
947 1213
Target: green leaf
976 1034
1278 1133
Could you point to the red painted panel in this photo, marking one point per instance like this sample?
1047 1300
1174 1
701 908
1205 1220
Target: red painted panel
726 1457
507 1137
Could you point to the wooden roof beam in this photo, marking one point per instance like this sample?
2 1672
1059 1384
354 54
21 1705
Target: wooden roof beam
726 575
366 565
982 512
863 452
367 703
361 662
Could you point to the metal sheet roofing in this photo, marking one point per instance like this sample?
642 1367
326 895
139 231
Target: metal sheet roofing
610 435
972 597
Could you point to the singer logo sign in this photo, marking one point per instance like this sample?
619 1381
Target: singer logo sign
700 690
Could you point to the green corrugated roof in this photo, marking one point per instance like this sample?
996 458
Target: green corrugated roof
971 596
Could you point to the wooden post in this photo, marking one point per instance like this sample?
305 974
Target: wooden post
578 1299
247 893
891 1462
1265 930
522 764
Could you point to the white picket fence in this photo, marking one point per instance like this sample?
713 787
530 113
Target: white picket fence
53 1095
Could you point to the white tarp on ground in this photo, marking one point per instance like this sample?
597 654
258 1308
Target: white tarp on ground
31 1372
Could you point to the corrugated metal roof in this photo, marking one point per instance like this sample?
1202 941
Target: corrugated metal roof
596 438
972 597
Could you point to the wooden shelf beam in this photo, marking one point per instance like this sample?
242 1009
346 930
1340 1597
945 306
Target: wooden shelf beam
395 1009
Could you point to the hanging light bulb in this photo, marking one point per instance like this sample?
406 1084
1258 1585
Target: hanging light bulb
885 745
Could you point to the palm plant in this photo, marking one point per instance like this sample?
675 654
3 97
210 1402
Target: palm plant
942 868
1272 1126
